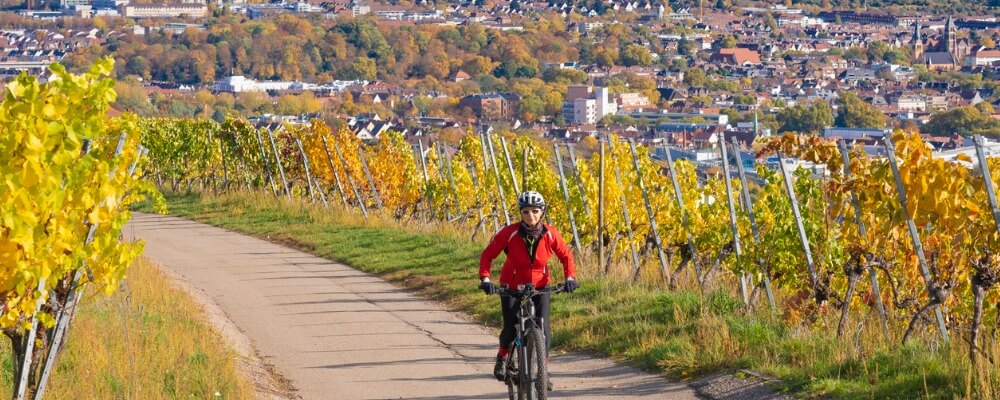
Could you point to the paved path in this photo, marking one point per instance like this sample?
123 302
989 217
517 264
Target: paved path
338 333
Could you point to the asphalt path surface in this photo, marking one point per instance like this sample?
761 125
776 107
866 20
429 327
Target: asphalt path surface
338 333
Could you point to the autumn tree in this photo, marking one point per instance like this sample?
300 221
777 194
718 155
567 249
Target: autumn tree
853 112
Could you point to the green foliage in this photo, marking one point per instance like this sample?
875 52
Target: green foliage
853 112
965 121
806 118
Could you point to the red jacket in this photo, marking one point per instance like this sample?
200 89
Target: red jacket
519 268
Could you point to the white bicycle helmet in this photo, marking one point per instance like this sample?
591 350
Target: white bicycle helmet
530 199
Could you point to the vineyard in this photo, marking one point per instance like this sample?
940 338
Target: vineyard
906 243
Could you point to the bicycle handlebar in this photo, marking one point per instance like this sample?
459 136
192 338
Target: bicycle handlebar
526 291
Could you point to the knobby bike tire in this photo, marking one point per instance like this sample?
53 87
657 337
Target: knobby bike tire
511 374
539 370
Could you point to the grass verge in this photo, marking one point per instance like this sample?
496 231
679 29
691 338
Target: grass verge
683 333
147 341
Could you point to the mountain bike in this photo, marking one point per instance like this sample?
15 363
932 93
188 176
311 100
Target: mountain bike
527 373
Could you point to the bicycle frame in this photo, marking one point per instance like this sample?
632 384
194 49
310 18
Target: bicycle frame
526 317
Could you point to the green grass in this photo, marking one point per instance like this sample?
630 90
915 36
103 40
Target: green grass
683 333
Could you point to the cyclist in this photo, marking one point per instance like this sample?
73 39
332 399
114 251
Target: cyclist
528 245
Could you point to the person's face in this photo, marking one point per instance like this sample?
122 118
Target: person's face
531 215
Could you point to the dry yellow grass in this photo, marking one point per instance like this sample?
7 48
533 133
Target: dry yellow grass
147 341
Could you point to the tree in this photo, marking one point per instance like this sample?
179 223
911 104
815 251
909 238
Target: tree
806 118
853 112
635 54
363 68
965 121
695 77
728 42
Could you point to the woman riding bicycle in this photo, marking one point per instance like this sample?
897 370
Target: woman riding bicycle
528 244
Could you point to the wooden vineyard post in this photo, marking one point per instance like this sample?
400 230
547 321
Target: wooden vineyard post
576 175
914 236
862 232
601 266
475 183
65 313
267 163
277 159
333 170
652 217
732 219
748 204
496 173
803 239
350 180
625 217
684 218
305 165
991 194
565 190
524 168
510 165
364 167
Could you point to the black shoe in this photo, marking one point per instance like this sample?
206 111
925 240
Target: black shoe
500 368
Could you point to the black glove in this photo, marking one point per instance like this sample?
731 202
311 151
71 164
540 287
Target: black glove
571 285
488 287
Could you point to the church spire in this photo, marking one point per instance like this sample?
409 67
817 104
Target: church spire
918 42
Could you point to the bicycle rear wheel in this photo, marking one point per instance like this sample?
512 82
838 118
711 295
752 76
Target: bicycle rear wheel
539 370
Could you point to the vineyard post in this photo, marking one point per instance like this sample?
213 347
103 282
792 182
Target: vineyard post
277 159
565 190
421 166
443 177
305 165
479 202
732 218
267 163
496 174
333 170
61 317
914 236
510 165
576 174
601 266
315 180
242 166
625 217
684 218
454 187
991 194
748 204
225 166
862 232
350 180
980 287
803 239
364 167
652 217
524 167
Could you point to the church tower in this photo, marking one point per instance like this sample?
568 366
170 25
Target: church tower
950 39
918 42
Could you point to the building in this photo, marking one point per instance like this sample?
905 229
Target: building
587 105
982 57
492 106
164 10
736 56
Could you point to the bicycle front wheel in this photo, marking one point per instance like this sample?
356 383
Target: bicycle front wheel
513 365
539 379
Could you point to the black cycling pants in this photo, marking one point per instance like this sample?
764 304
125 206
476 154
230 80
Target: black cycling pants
509 307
